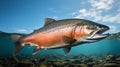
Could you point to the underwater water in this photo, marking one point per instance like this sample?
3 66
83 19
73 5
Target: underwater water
103 52
6 46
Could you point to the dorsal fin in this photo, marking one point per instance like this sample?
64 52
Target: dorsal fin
49 20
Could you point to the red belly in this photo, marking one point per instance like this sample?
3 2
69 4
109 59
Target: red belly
44 39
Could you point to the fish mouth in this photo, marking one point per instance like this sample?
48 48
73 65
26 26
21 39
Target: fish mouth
98 35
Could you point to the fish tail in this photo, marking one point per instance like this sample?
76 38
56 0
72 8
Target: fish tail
16 40
16 37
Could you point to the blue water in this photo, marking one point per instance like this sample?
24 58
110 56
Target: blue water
97 48
6 46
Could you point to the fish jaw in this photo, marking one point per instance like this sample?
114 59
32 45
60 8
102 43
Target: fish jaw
98 35
95 36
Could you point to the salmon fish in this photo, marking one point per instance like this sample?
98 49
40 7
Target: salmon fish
64 34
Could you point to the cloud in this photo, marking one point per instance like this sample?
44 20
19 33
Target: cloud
113 28
55 17
110 18
84 13
73 13
52 10
101 4
97 11
23 31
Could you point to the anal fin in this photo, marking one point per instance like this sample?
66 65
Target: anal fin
67 50
36 50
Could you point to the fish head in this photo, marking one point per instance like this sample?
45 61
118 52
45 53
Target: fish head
94 32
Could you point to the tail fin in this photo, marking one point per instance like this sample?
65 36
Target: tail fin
16 40
16 37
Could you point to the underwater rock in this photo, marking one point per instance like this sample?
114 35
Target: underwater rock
13 60
110 58
42 60
58 63
118 59
25 64
2 60
43 65
91 64
77 61
35 61
100 65
63 61
111 65
83 65
10 62
1 65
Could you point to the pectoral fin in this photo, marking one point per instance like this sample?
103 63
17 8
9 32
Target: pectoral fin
67 50
68 40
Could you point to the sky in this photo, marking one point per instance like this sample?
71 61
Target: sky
24 16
